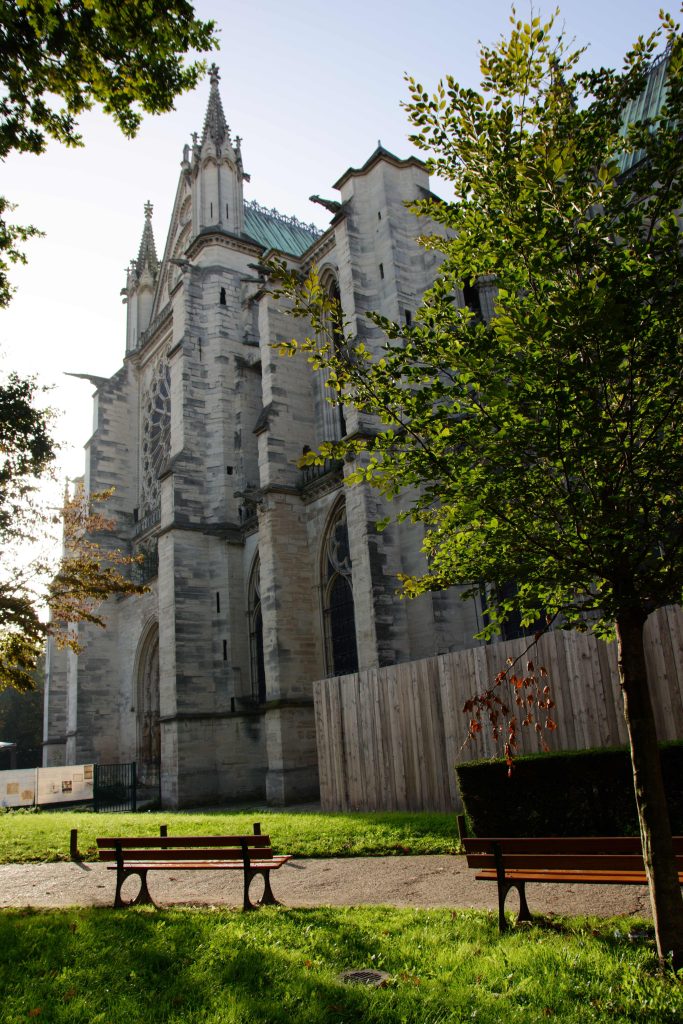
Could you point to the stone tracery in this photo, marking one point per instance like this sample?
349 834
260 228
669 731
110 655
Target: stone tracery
156 434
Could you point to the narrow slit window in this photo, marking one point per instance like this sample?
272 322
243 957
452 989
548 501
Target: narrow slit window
225 650
381 270
223 297
408 316
218 601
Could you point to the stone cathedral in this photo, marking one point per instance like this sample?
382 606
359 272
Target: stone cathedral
262 576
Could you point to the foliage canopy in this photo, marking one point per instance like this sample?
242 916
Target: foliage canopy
126 57
544 441
63 57
87 571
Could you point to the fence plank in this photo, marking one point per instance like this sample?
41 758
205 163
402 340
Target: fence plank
394 701
660 666
337 737
674 618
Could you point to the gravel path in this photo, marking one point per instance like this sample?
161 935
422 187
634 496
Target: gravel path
423 881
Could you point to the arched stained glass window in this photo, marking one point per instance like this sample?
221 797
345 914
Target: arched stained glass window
338 608
333 422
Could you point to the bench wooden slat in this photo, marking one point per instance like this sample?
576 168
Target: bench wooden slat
196 853
562 861
589 877
172 842
563 844
210 865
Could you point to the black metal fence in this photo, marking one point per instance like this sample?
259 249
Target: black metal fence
115 787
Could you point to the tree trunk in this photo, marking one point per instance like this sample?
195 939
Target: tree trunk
653 811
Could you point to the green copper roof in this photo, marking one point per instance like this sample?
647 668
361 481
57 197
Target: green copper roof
648 104
275 231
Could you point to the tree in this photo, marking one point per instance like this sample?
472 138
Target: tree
73 585
26 453
541 446
126 57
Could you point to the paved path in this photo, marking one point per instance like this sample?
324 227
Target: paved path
423 881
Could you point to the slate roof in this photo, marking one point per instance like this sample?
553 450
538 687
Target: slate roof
647 105
274 230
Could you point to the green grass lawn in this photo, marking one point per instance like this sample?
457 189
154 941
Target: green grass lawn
190 966
45 836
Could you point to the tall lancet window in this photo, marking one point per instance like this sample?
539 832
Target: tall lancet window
156 435
341 651
258 665
330 417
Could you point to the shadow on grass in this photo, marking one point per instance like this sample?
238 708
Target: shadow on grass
215 966
100 965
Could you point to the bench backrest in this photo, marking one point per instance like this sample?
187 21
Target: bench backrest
177 848
589 853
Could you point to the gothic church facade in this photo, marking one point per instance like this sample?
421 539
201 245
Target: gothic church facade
261 576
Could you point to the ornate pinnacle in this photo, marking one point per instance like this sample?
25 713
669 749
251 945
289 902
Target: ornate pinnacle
147 255
214 74
215 127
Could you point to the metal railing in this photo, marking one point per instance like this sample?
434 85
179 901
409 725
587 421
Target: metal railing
310 474
115 787
147 522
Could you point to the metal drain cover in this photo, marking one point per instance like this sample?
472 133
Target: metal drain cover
378 979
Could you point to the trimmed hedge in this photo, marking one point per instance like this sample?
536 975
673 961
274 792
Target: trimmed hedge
576 793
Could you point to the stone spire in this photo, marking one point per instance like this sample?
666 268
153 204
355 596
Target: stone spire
215 126
141 281
214 168
147 255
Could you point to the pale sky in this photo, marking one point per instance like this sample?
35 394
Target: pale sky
310 87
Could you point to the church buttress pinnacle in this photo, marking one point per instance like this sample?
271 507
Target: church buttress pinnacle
215 127
147 254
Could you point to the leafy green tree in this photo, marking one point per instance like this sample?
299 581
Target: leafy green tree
26 453
542 445
88 571
62 57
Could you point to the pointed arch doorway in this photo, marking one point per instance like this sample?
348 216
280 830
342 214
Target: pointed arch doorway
147 705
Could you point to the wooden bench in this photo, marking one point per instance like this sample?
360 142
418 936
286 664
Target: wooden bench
252 855
596 860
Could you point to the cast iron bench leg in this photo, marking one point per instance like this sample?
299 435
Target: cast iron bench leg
267 900
248 878
504 887
524 912
142 898
503 890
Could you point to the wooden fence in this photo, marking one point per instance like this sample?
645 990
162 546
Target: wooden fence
388 738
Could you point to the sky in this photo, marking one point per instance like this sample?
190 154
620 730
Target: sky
310 86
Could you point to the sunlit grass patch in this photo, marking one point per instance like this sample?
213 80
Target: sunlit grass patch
45 836
101 966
